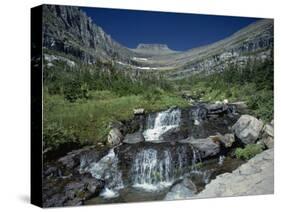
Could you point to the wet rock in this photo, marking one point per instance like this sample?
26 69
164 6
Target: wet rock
227 140
73 159
181 190
134 138
206 146
74 202
173 134
50 171
114 137
79 191
252 178
241 107
248 129
56 200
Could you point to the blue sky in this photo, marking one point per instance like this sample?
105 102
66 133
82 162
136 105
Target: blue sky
179 31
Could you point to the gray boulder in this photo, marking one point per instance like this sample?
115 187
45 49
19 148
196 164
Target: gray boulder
206 146
268 142
173 134
114 137
269 130
255 177
227 140
268 136
248 129
182 190
134 138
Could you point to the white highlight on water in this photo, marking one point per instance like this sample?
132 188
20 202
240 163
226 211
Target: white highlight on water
163 122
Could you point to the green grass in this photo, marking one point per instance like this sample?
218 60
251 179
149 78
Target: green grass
248 152
88 120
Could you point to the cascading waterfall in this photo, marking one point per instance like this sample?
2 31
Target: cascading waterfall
163 122
157 169
105 169
151 172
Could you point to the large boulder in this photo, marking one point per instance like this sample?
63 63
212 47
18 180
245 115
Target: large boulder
114 137
173 134
206 146
255 177
134 138
248 129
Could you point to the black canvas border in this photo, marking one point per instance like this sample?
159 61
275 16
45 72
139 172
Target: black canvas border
36 105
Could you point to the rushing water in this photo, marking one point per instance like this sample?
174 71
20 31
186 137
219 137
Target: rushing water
150 167
106 169
160 124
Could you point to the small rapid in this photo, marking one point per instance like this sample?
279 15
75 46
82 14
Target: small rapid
164 121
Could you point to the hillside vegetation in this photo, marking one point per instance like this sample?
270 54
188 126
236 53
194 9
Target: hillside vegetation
252 83
80 102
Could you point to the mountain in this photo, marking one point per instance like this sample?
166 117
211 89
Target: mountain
68 30
153 49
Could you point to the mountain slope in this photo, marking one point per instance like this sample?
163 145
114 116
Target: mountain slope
252 42
67 29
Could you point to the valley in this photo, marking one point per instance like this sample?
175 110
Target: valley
152 123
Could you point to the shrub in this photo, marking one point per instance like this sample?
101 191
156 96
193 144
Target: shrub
248 152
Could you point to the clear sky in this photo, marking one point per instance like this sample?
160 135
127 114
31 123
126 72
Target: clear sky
179 31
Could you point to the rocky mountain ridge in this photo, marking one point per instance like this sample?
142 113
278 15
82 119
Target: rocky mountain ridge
70 31
153 49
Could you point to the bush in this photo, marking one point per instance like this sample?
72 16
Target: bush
249 151
76 90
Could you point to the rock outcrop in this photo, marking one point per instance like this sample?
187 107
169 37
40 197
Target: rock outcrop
206 146
252 178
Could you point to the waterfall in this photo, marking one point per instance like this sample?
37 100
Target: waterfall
151 172
105 169
163 122
154 169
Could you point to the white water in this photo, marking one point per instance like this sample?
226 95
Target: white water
106 169
109 193
154 170
163 122
151 172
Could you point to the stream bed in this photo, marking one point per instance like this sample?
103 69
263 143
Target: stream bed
176 151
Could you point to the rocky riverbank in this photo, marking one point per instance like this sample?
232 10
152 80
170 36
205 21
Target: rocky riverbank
175 153
252 178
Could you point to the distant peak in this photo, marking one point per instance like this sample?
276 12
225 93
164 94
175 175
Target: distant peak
153 46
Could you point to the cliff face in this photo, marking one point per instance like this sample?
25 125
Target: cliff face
67 29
